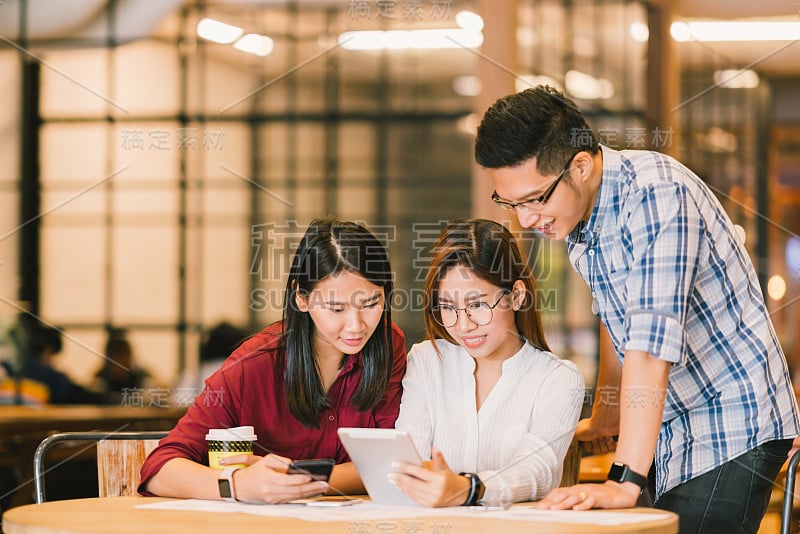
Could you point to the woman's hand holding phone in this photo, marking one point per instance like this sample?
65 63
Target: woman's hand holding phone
267 480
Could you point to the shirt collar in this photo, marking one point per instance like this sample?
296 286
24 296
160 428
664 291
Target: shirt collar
587 232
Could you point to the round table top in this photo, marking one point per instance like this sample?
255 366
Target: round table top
120 515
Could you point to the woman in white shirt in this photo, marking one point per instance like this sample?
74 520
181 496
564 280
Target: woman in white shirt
483 397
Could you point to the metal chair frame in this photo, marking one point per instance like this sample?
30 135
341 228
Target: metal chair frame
788 493
48 442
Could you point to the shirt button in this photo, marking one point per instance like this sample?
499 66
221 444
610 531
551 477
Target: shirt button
591 252
331 418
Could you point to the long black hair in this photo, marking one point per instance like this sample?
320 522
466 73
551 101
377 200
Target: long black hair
329 247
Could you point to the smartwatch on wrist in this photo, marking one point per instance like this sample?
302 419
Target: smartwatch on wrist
620 472
476 489
225 483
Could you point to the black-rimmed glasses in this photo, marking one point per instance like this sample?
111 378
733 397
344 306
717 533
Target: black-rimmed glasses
479 312
538 203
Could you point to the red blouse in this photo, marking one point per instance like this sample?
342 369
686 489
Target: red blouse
249 390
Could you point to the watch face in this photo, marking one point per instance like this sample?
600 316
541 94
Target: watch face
224 488
616 472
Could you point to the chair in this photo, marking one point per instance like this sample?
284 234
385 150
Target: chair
119 457
572 465
788 493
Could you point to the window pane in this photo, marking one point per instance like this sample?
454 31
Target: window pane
74 152
145 275
75 83
73 274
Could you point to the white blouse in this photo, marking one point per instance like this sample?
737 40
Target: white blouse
517 441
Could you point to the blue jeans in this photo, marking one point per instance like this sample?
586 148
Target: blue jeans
731 498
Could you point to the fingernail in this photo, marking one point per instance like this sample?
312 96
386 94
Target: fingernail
324 485
395 465
392 478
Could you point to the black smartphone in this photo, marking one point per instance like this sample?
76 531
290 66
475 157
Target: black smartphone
318 468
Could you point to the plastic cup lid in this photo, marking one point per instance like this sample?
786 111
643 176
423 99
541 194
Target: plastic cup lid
239 433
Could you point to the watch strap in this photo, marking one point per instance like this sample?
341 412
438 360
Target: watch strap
476 489
620 472
225 482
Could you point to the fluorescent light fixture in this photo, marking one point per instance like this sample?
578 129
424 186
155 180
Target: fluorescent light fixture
253 43
639 32
219 32
468 20
680 31
736 30
736 79
587 87
467 85
526 81
410 39
719 141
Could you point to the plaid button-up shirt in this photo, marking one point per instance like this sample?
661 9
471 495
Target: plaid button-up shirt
669 276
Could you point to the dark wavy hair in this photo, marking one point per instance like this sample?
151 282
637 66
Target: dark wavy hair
329 247
539 122
490 251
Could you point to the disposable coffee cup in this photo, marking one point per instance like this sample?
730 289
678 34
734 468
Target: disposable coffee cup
224 442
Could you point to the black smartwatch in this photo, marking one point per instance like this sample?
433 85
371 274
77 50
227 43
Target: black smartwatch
225 482
476 489
620 472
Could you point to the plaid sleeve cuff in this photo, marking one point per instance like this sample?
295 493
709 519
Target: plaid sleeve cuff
657 334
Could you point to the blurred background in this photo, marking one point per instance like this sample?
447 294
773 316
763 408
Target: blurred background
159 159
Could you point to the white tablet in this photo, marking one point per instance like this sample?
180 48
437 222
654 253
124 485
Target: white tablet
373 450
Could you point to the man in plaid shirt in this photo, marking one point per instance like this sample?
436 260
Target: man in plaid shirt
705 396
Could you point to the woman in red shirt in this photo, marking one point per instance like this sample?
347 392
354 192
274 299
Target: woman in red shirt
336 359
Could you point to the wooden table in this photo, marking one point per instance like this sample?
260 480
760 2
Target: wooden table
119 515
22 428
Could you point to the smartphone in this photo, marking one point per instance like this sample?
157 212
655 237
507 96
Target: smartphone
318 468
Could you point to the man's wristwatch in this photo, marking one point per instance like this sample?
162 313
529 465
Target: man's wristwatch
620 472
476 489
225 483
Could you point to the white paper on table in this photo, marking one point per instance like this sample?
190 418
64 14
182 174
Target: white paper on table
368 511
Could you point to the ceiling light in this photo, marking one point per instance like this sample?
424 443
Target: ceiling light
736 79
776 287
680 31
587 87
639 32
469 124
253 43
719 141
410 39
467 85
736 30
469 21
219 32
